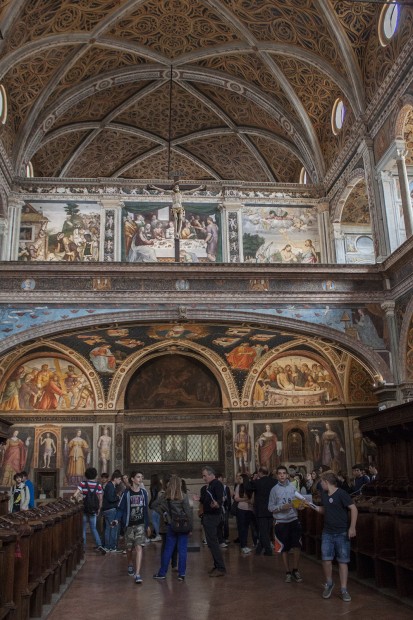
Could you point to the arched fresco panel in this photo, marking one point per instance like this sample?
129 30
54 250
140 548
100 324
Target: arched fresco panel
172 381
296 379
46 382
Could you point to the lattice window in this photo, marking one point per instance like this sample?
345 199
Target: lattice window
173 448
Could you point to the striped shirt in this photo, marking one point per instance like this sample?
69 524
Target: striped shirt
92 484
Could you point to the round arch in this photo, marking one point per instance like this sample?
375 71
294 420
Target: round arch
400 121
18 356
204 355
354 178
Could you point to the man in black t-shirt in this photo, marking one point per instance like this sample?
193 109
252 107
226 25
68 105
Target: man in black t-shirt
212 499
337 532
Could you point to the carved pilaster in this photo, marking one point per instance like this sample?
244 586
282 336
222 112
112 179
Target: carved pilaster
405 191
323 218
377 212
389 309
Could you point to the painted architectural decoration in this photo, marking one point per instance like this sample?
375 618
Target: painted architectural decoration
149 234
59 231
104 446
46 383
298 379
172 381
280 235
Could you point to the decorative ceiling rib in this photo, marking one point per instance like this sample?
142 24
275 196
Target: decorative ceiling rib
253 84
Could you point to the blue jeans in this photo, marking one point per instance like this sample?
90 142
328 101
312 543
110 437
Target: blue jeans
91 519
335 546
156 521
171 539
111 533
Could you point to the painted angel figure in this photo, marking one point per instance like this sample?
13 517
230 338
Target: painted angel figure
178 210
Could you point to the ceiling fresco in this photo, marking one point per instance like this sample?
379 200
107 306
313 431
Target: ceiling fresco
131 89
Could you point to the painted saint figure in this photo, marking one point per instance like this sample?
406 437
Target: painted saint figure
267 450
14 458
104 444
242 447
49 449
331 449
78 453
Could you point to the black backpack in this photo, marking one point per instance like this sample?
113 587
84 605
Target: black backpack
90 501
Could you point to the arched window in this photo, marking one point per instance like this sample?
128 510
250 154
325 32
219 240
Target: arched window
29 170
388 22
337 116
303 176
3 105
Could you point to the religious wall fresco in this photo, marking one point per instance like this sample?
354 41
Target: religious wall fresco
104 446
172 381
298 379
306 445
59 231
268 445
365 449
77 453
46 383
16 454
148 234
327 444
280 235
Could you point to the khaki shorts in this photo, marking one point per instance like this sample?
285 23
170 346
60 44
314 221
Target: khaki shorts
135 535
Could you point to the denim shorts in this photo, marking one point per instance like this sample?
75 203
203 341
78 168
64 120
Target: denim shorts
335 546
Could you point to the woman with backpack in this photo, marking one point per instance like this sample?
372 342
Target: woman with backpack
178 513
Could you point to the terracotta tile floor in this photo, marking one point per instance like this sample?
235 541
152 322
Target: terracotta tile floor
253 589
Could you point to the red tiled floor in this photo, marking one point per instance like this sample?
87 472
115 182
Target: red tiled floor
253 589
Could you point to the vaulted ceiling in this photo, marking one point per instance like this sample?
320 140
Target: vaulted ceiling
214 89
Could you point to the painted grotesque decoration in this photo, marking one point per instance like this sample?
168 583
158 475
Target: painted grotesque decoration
172 381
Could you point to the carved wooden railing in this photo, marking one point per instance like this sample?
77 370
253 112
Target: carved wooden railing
39 550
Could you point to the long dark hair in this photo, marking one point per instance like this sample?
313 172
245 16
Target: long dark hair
241 491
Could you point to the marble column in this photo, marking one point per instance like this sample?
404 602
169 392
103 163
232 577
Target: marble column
405 191
389 307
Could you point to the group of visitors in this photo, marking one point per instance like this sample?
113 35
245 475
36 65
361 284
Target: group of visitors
268 505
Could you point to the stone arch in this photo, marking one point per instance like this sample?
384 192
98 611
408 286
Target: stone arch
399 124
20 354
353 179
207 357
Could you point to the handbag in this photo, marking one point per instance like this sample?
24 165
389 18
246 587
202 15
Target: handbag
180 523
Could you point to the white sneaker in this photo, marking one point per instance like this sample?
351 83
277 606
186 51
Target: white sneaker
147 540
246 550
157 538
